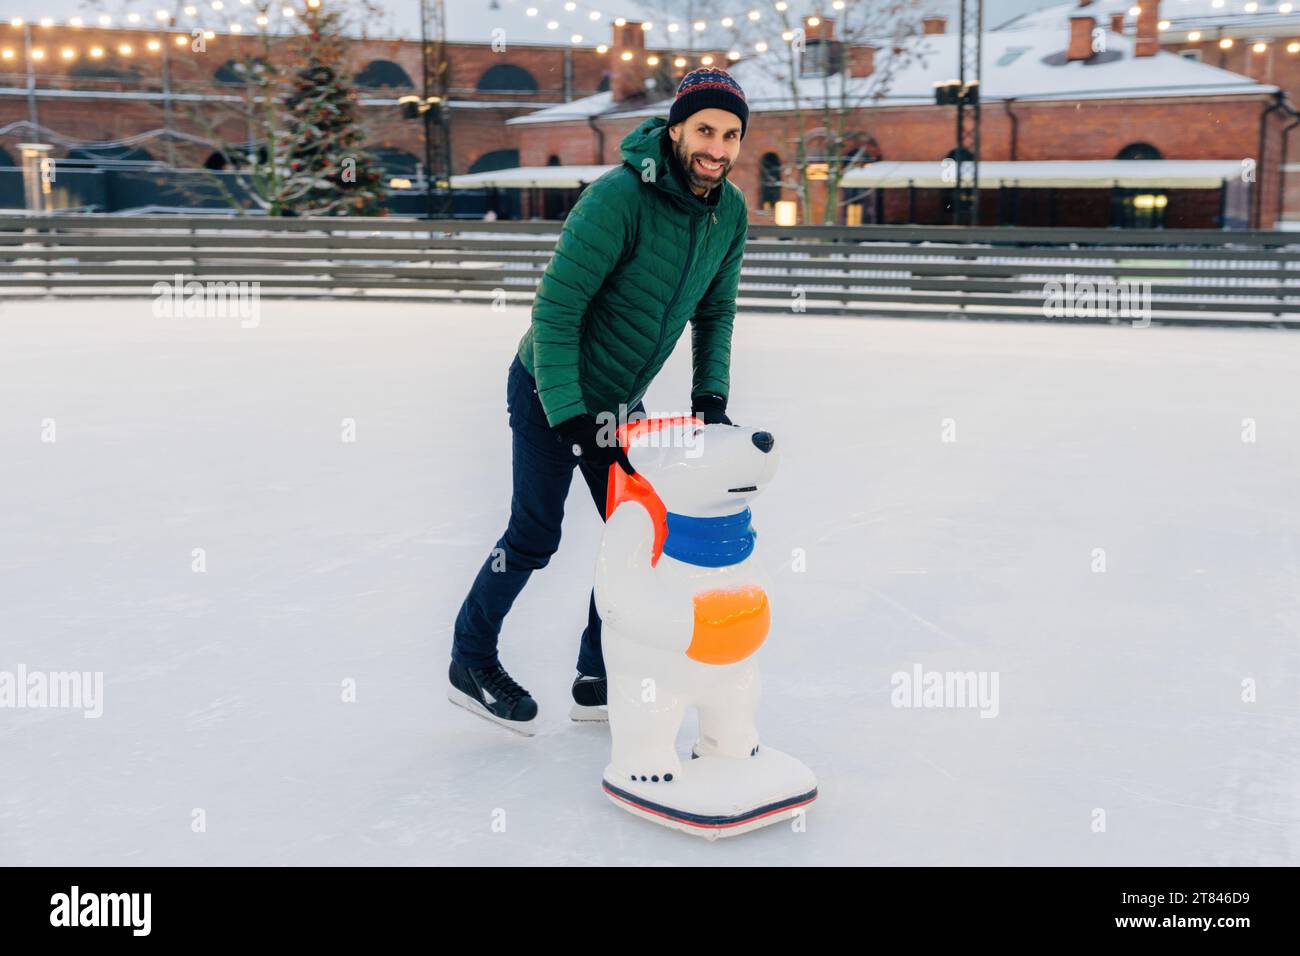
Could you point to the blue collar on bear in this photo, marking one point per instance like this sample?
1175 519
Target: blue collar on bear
709 542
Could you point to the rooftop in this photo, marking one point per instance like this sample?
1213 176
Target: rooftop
1022 64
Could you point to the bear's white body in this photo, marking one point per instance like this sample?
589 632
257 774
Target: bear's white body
680 633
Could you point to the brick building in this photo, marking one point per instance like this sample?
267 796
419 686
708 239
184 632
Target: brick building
1048 96
1259 39
1052 93
81 85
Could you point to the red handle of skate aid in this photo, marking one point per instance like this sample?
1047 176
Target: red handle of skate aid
637 488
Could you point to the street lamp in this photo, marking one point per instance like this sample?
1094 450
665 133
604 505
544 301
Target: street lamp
432 109
952 92
413 107
966 97
428 108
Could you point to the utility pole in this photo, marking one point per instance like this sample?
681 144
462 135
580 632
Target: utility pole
32 116
966 193
424 110
432 108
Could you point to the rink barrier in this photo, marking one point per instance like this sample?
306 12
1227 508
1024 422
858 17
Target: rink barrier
1196 276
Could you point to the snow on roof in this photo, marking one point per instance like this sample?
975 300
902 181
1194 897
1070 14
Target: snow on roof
1057 15
521 177
578 109
1236 16
1030 64
1022 65
1158 173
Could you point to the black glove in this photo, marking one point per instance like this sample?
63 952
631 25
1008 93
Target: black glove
711 409
583 433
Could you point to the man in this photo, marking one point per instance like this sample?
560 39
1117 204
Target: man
649 245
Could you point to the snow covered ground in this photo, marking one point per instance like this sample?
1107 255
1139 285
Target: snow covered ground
330 561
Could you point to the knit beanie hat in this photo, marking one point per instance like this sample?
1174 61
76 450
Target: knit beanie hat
706 89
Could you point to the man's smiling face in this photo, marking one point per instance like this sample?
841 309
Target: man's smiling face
707 144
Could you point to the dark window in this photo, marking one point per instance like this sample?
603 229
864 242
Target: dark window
556 203
381 73
397 162
507 78
860 149
239 72
604 84
106 69
1011 54
817 59
1139 151
236 155
1138 208
497 159
91 153
769 179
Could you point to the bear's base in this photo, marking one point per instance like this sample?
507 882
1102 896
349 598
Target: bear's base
720 796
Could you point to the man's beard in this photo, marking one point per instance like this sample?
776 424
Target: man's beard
694 179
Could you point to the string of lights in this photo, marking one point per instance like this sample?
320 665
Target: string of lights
168 23
652 57
672 27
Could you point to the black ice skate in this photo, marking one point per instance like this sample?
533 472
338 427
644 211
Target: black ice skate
589 700
490 693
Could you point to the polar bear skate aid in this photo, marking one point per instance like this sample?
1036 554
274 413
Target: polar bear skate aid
684 609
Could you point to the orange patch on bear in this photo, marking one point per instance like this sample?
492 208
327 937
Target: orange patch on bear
730 624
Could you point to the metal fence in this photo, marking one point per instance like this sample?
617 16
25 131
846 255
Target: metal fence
1101 275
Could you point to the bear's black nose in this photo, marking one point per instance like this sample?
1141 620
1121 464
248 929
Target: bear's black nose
763 441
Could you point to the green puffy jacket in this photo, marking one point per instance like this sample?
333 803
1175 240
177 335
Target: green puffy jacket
639 255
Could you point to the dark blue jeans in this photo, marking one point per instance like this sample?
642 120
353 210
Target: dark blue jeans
543 470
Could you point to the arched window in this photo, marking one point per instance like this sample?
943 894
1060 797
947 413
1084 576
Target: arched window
555 202
507 78
769 180
382 73
110 68
237 156
5 158
959 153
497 159
397 162
237 72
94 154
859 149
604 84
1138 208
1139 151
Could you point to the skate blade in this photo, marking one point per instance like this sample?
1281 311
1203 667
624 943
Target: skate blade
591 715
524 728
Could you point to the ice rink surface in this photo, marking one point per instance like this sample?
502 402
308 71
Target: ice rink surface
332 561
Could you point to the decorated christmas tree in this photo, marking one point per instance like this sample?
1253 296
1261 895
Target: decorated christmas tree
327 170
